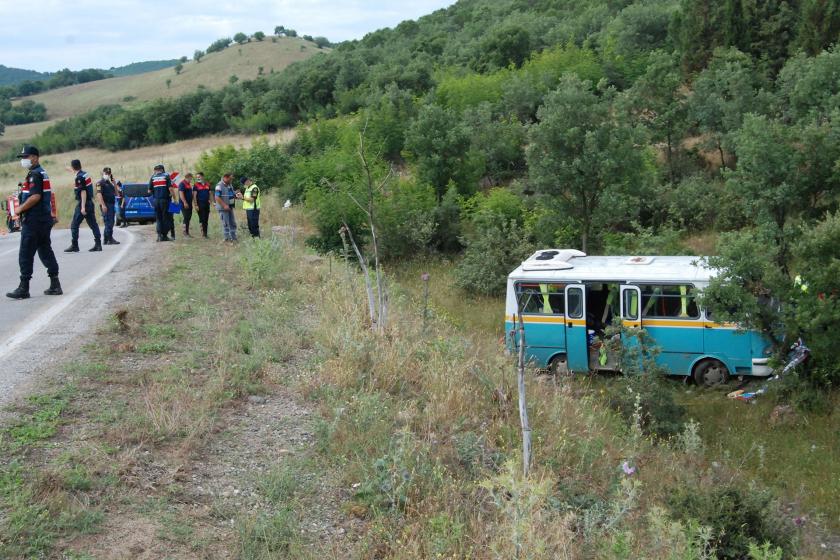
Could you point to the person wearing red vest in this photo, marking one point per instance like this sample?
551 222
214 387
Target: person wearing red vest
202 195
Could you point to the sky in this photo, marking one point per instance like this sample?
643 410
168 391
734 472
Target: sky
48 35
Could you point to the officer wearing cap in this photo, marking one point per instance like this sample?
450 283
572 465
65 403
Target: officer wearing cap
160 188
106 191
37 223
85 210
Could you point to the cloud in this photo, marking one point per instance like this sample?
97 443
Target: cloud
97 34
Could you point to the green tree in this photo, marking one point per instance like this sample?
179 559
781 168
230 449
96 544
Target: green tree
178 68
279 30
723 93
581 154
321 42
819 25
198 55
439 144
657 100
183 59
240 38
259 36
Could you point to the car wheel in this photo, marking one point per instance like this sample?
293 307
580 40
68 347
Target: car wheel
710 373
559 366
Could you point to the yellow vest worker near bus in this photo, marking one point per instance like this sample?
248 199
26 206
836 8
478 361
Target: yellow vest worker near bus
252 201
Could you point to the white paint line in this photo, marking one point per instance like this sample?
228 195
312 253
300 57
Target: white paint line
62 302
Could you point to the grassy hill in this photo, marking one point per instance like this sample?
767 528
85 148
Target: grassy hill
10 76
142 67
213 72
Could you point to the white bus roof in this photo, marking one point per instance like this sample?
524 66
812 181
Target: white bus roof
546 265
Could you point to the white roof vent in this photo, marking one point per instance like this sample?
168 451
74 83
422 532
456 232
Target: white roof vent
551 259
639 260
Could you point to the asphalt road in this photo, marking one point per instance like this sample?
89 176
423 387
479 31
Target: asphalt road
79 272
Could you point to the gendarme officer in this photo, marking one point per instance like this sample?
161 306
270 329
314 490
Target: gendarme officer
37 223
160 187
85 210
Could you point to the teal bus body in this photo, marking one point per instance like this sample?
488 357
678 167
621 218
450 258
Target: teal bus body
660 300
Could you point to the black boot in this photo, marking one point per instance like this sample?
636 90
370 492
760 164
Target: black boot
96 247
73 248
55 287
164 238
21 292
106 240
114 241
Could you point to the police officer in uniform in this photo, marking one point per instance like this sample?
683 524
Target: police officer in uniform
185 191
203 194
85 210
37 223
160 188
107 192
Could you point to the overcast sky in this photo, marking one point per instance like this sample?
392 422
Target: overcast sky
47 35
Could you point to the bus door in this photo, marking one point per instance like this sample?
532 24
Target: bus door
577 347
631 314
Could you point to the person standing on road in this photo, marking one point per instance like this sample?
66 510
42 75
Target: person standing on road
251 202
201 196
185 191
107 193
85 210
226 197
36 225
160 188
120 202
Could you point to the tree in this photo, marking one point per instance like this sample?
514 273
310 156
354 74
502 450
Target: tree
819 25
656 100
178 68
723 93
291 33
183 59
321 42
580 154
279 30
198 55
240 38
168 82
259 36
219 45
439 144
233 79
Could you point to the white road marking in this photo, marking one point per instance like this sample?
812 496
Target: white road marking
63 302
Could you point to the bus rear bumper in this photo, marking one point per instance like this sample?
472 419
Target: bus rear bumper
760 367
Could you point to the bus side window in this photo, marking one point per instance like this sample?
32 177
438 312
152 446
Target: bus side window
541 299
669 301
575 303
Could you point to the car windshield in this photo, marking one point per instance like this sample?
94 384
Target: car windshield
136 189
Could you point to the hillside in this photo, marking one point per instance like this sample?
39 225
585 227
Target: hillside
141 67
212 72
10 76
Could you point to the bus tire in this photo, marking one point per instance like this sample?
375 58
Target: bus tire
558 366
710 373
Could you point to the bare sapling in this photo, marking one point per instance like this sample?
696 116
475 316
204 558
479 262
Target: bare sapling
523 405
346 233
368 207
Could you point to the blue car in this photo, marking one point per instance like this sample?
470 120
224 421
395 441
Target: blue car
138 203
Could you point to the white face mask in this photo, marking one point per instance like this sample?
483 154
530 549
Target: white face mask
106 177
25 163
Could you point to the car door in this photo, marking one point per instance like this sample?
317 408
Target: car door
577 346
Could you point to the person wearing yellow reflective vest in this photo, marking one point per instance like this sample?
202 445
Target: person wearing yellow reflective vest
252 201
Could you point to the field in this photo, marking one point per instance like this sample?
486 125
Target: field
128 166
213 72
16 136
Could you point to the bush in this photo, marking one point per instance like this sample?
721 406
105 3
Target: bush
492 252
739 516
219 45
406 217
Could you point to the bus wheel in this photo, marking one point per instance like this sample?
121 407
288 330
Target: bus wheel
559 366
710 373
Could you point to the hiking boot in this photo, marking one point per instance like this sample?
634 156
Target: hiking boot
113 241
164 238
55 287
73 248
96 247
21 292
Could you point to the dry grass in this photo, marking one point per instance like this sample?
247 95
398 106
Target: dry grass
16 136
212 72
128 166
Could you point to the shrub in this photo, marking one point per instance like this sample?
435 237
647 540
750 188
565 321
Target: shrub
739 516
406 220
491 254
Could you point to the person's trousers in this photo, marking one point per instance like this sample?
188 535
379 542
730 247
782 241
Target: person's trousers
161 216
228 224
203 215
253 221
108 217
186 212
35 238
122 211
89 217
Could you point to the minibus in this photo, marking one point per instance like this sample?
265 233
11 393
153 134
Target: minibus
568 299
